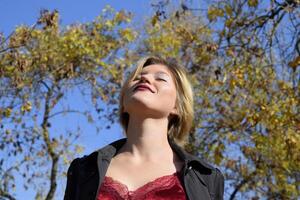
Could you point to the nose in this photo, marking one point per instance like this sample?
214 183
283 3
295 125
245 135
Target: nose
144 78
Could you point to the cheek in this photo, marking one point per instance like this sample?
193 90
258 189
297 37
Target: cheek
169 94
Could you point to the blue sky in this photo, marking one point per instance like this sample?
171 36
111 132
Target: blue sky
14 13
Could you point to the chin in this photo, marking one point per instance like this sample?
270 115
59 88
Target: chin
147 112
143 105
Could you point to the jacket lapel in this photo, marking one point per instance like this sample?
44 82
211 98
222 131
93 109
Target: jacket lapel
104 157
195 172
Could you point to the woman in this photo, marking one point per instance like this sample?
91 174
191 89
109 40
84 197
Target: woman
156 112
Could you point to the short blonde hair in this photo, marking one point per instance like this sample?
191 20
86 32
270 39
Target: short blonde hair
179 125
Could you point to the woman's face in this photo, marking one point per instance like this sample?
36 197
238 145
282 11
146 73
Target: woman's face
153 92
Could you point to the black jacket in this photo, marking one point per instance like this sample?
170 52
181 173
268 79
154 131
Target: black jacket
200 180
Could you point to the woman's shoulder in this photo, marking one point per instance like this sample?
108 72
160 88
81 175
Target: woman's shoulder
192 160
91 159
79 164
208 174
203 166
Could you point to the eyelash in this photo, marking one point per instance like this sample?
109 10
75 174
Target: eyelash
161 79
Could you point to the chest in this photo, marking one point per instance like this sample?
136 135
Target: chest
165 187
135 176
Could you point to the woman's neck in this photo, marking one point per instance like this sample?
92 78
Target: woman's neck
147 139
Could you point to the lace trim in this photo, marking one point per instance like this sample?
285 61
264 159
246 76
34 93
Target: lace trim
161 184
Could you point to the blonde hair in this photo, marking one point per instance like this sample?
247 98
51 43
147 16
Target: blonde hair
180 124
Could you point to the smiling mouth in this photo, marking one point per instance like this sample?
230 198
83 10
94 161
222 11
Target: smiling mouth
142 88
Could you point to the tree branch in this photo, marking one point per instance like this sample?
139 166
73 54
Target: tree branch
64 111
54 156
5 195
4 191
241 184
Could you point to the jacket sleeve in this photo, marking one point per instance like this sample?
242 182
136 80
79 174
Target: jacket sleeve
72 181
219 185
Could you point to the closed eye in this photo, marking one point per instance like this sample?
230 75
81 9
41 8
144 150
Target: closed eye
161 79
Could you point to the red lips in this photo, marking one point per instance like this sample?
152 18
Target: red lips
145 86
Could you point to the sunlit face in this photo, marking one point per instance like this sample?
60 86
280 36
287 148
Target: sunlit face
152 92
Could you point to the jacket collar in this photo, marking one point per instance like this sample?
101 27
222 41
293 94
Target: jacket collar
109 151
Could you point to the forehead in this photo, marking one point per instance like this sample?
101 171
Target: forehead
156 68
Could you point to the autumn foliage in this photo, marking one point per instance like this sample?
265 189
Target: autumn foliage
243 59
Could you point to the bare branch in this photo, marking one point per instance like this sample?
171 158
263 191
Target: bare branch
241 184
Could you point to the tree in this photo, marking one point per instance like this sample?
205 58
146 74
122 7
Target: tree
39 65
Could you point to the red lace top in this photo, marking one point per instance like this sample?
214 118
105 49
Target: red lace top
162 188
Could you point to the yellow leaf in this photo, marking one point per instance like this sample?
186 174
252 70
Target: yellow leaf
154 20
120 16
127 34
295 63
228 10
26 107
65 160
9 68
230 52
213 13
218 153
79 149
7 112
228 22
232 137
252 3
109 23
